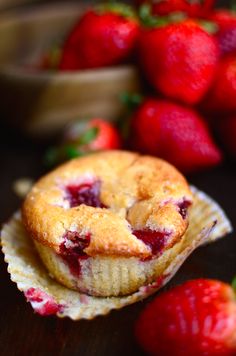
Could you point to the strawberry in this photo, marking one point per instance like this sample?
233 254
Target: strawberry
196 318
175 133
85 137
179 59
222 96
192 8
106 136
104 36
226 34
227 133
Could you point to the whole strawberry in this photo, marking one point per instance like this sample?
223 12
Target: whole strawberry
222 96
227 133
197 318
104 36
175 133
192 8
179 59
82 138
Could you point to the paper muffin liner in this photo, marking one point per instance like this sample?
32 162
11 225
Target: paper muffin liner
208 222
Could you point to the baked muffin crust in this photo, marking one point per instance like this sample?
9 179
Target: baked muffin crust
134 193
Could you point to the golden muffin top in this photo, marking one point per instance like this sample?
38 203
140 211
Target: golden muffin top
109 203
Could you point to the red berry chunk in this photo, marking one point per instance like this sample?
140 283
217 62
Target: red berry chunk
183 208
72 250
85 193
156 240
42 303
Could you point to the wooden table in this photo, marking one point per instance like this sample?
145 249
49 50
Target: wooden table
24 333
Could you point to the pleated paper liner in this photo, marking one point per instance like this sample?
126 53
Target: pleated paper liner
208 222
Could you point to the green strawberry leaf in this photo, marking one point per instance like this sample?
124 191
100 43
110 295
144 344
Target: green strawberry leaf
149 20
233 5
233 284
208 26
146 17
88 136
118 8
51 157
56 155
72 152
131 100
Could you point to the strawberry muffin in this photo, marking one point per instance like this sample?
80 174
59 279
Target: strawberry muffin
109 223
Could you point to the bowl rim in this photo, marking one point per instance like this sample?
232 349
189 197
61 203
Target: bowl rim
32 11
17 72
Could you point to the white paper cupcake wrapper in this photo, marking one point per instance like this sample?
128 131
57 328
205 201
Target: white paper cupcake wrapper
208 222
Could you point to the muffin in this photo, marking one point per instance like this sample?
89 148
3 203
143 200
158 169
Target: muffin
108 223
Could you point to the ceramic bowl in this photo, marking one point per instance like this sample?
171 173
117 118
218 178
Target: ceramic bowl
42 102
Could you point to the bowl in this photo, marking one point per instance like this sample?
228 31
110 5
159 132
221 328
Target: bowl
42 102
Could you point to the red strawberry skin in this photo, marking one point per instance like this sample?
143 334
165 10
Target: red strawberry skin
197 318
99 40
175 133
180 60
222 96
227 40
107 138
227 133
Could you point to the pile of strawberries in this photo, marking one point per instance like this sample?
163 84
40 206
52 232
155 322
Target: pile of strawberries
186 51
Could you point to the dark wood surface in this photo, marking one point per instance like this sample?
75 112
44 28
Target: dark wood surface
24 333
